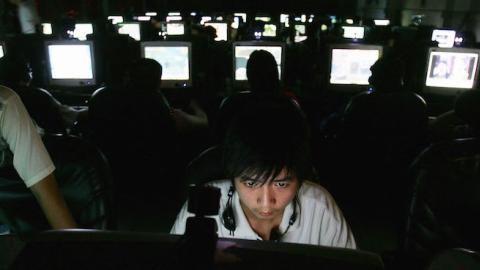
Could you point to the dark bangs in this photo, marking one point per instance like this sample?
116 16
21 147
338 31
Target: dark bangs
264 139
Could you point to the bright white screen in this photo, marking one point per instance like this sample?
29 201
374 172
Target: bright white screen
263 19
1 51
270 30
82 30
221 29
352 66
175 29
131 29
47 28
382 22
451 69
242 54
353 31
445 38
115 19
70 61
174 61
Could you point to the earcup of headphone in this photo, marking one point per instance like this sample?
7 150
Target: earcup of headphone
229 218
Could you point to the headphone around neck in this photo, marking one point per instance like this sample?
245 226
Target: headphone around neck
230 224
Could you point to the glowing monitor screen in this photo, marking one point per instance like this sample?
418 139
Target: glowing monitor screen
205 19
175 29
300 29
383 22
352 66
115 19
2 53
356 32
445 38
174 60
71 63
47 28
269 30
242 54
173 18
263 19
242 15
221 29
82 30
453 69
131 29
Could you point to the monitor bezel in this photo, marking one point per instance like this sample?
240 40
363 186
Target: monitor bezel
349 46
172 83
71 82
448 91
259 43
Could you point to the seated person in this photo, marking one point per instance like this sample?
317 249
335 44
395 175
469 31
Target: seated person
47 112
30 158
267 195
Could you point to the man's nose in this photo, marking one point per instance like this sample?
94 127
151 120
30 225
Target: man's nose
266 197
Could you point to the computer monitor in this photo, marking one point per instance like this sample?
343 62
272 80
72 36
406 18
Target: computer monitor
450 70
241 54
2 49
59 249
221 28
242 15
269 30
173 18
355 32
47 28
131 29
115 19
205 19
71 62
382 22
300 32
263 18
175 28
445 38
350 63
82 30
175 58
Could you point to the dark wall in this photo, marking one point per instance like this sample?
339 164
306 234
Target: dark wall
90 9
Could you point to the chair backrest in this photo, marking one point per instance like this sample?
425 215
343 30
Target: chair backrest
454 259
207 166
445 203
84 178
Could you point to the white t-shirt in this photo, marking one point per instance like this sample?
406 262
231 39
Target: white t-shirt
17 131
319 222
28 16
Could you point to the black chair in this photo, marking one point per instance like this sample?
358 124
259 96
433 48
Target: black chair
445 204
207 166
453 259
84 178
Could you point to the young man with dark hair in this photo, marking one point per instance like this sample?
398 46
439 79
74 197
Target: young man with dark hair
266 156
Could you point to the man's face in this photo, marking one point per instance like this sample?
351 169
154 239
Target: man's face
267 202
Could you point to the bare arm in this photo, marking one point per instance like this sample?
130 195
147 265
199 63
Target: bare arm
52 203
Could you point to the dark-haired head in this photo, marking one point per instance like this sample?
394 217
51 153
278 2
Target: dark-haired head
145 74
262 72
14 70
267 137
388 74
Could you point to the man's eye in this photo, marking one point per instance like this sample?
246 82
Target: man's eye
281 184
249 183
